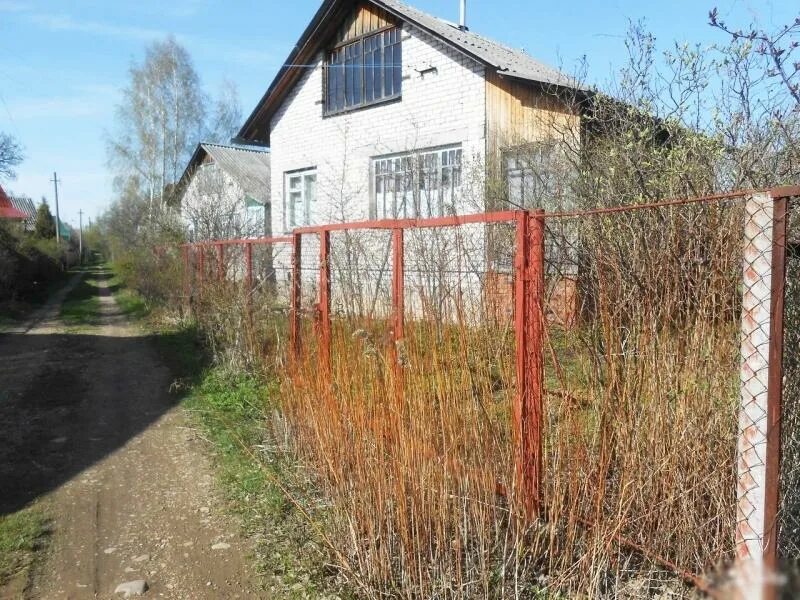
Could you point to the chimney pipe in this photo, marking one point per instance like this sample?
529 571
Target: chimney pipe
462 19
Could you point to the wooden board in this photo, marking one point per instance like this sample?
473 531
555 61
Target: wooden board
363 20
519 113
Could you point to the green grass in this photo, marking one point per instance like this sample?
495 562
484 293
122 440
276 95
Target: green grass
255 476
22 534
129 302
81 307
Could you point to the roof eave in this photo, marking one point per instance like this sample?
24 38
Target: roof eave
197 156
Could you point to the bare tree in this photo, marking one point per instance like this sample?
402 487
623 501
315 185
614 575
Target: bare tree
159 120
10 155
226 116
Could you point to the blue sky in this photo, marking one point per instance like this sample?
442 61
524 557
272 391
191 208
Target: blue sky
62 64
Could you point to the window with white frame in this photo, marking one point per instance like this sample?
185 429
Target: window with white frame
301 197
417 185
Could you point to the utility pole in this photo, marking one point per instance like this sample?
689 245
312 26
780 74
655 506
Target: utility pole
80 236
58 218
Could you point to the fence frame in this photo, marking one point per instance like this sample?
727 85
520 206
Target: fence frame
759 452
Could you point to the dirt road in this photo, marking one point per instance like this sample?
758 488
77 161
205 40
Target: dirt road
87 423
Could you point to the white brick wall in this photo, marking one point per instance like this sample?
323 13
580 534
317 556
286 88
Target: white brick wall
437 109
214 206
446 107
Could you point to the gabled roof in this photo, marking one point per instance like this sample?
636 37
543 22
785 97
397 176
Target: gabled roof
7 209
249 167
503 59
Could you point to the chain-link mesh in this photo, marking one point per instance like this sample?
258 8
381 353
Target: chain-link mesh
642 310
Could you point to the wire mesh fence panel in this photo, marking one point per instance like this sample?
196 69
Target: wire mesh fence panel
789 515
642 312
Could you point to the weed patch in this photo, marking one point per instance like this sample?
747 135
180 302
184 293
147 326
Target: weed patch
261 482
21 534
81 307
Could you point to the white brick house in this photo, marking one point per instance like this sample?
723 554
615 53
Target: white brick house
421 148
383 111
225 192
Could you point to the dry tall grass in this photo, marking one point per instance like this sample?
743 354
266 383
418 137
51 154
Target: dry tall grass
417 461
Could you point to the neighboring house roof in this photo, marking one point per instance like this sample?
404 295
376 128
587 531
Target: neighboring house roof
25 204
64 230
249 167
7 209
503 59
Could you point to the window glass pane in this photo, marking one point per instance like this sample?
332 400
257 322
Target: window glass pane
358 74
310 190
388 79
348 75
398 66
294 205
368 74
294 182
378 69
311 187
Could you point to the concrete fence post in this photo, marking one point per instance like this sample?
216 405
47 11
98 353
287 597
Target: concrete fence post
758 448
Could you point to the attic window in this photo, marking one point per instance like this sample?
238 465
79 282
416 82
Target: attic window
366 71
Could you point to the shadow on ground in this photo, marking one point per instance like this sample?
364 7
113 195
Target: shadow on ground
67 401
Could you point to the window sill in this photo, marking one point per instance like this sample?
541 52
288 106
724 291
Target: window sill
392 99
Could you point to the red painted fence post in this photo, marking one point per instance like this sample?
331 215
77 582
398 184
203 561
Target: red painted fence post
529 330
201 263
187 282
398 302
248 259
295 298
325 298
220 262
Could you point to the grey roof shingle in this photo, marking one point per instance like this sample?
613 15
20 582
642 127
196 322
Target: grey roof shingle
509 61
250 168
25 205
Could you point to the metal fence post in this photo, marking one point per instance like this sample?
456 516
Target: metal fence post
201 263
187 289
780 209
295 298
248 259
398 302
528 329
325 298
220 262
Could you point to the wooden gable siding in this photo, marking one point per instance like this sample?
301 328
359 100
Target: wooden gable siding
518 112
364 19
